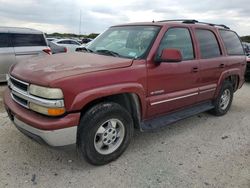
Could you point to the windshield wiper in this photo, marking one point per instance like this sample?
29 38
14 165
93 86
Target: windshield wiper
108 52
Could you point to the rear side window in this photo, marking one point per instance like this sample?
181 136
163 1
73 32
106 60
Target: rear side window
232 42
178 38
64 42
73 42
209 47
4 40
21 40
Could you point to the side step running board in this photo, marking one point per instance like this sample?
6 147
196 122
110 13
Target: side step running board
162 121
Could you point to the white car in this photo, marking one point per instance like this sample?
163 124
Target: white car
70 44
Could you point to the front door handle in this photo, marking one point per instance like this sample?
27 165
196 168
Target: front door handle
195 69
222 65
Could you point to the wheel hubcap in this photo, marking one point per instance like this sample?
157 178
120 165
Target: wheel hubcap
109 136
225 99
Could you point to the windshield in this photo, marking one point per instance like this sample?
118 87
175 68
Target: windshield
125 41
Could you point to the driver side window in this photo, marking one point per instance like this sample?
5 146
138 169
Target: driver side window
178 38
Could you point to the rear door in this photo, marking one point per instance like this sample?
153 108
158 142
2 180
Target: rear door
28 45
235 53
212 62
172 86
7 55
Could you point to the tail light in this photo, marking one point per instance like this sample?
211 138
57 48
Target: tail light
48 51
65 49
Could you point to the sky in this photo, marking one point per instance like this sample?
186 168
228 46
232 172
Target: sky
97 15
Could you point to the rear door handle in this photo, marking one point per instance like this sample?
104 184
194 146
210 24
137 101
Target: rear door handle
195 69
222 65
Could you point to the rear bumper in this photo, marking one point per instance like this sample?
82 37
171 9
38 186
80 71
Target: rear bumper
58 131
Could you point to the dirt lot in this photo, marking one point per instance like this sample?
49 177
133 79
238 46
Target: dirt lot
202 151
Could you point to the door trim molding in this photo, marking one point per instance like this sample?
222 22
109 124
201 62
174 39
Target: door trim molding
173 99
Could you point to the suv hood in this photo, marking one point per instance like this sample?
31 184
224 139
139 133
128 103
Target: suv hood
43 71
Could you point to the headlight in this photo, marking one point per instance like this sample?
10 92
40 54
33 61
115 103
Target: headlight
46 110
44 92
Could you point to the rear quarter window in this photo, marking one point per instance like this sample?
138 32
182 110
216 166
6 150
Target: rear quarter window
21 40
4 40
232 42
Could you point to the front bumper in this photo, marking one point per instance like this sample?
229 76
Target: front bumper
61 137
59 131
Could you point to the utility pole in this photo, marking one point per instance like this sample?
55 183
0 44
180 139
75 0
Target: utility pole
80 24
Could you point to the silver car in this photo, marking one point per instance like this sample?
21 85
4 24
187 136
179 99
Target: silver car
70 44
17 44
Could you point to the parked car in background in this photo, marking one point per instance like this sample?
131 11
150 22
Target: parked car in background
82 47
246 47
247 75
51 39
86 40
17 44
70 44
55 48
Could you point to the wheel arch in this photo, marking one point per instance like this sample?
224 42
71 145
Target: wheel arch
131 101
233 76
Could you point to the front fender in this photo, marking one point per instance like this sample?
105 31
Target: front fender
84 98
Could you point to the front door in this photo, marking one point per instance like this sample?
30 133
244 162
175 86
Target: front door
172 86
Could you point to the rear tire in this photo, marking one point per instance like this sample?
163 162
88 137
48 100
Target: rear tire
104 133
224 100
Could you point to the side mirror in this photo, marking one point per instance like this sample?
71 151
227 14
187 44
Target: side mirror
169 55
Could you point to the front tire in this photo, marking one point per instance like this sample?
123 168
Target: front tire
104 133
224 100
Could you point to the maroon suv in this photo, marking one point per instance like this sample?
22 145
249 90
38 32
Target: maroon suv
140 75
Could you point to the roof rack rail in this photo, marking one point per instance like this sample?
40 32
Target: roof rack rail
187 21
180 20
211 24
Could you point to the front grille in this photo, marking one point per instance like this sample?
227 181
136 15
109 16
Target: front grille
21 101
248 65
18 87
19 84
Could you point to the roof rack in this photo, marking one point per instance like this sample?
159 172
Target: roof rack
180 20
187 21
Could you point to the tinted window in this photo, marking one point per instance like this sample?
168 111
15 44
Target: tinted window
209 46
178 38
232 43
4 40
73 42
28 40
64 42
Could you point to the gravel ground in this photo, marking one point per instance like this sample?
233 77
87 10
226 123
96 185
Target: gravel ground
202 151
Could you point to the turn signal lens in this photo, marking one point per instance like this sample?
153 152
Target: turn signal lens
46 110
56 111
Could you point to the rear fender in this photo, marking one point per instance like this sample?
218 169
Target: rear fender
226 74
